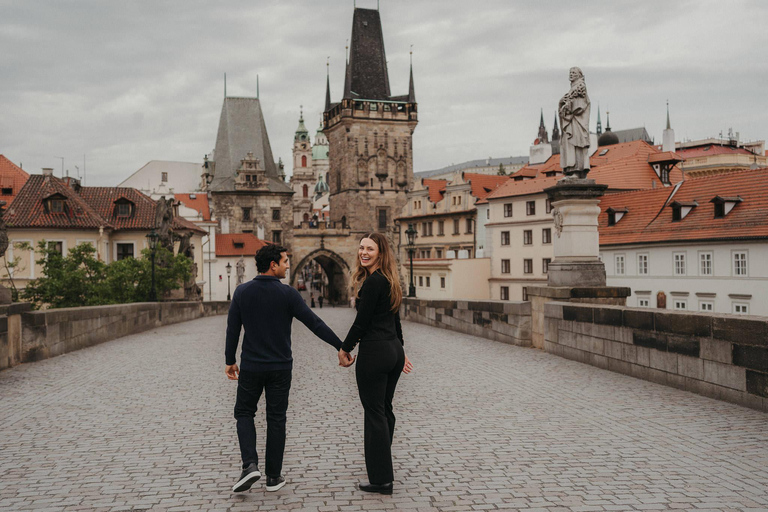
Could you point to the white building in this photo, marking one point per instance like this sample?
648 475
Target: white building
161 178
701 247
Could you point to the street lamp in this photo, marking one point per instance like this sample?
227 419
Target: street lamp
152 239
229 273
410 233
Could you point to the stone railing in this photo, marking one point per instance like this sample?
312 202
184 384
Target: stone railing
719 356
509 322
27 336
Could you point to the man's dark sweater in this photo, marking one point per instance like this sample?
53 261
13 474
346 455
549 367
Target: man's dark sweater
266 307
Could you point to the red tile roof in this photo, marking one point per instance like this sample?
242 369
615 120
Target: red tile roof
622 166
198 203
649 216
29 211
11 177
483 184
436 189
710 150
247 244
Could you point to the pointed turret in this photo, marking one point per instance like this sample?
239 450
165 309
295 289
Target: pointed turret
555 130
367 70
302 134
599 123
543 137
668 137
411 90
328 87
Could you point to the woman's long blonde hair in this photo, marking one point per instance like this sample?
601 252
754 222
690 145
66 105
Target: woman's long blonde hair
388 267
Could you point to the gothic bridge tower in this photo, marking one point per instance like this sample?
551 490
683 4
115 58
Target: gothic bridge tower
370 135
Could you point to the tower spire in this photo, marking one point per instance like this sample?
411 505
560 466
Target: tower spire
411 90
327 84
668 125
599 123
543 138
555 130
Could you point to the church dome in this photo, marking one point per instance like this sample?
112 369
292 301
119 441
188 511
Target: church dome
608 138
321 187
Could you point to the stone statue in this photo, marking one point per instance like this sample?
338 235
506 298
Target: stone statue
573 110
240 267
164 221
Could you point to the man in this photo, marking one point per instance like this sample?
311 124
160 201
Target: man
573 109
265 308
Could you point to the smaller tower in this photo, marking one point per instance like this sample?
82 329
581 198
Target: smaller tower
303 179
599 123
543 138
668 138
555 138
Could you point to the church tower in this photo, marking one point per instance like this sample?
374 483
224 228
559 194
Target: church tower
370 135
303 179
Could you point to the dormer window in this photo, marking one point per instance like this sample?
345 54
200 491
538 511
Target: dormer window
57 205
123 208
54 203
239 245
615 215
680 209
724 205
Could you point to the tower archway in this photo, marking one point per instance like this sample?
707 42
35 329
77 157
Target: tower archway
335 269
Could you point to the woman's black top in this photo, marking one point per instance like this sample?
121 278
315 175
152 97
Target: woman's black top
375 319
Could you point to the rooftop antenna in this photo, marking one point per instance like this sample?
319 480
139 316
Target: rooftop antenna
225 85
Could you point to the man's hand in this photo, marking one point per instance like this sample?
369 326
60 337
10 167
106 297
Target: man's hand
407 367
232 371
345 359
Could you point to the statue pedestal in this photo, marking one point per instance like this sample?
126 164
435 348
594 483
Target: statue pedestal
576 244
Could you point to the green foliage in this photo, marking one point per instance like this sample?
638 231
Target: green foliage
501 172
12 264
80 279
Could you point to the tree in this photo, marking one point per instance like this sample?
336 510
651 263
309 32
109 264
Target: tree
502 172
80 279
12 264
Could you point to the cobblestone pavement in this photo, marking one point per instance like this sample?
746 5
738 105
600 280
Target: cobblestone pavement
145 423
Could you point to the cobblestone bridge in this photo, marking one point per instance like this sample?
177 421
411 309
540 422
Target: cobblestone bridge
145 423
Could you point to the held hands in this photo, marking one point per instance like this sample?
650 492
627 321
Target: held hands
232 371
408 366
346 359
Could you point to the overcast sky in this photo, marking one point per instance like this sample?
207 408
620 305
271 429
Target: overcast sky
128 82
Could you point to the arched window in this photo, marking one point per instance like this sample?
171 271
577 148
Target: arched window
344 221
304 161
306 215
305 190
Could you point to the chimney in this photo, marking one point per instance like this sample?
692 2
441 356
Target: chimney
47 171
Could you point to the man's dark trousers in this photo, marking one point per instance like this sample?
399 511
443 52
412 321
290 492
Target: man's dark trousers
277 385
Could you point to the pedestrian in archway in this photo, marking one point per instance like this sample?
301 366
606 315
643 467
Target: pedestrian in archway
381 359
312 299
320 301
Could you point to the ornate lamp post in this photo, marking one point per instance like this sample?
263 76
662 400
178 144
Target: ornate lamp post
410 233
229 274
152 239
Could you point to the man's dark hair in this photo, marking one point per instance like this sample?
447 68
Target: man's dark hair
268 254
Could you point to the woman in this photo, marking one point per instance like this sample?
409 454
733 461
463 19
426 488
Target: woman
382 358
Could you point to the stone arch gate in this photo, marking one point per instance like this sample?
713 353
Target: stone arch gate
335 268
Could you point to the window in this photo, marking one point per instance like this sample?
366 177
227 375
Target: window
527 237
508 209
740 263
644 303
458 200
469 226
487 214
705 264
427 279
455 226
706 305
382 215
642 264
164 177
504 293
57 206
545 265
530 208
528 266
740 308
505 267
505 238
619 264
679 258
548 205
123 209
442 282
681 304
304 160
7 191
438 253
275 214
305 191
719 210
440 227
246 214
546 236
424 254
56 246
276 237
421 280
525 293
124 251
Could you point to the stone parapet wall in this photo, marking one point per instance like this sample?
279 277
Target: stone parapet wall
719 356
509 322
44 334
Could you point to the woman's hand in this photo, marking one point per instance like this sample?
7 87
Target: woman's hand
407 367
345 359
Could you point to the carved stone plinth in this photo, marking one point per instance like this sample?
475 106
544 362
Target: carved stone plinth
576 243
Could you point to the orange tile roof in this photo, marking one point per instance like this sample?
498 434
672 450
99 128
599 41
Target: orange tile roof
483 184
225 244
436 189
711 150
11 177
649 216
623 166
199 203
